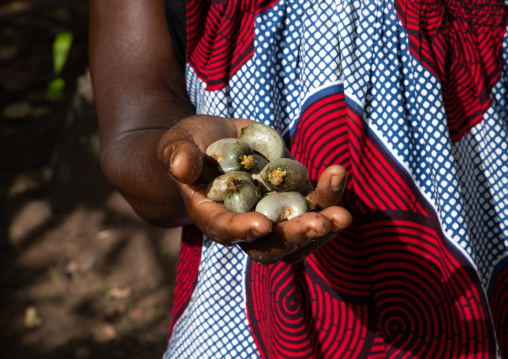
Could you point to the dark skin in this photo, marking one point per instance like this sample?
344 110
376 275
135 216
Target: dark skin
153 144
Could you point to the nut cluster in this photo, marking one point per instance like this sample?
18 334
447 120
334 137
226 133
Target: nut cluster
257 176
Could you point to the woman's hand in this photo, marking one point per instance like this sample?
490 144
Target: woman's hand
291 241
181 151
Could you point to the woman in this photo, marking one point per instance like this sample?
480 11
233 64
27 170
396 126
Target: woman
406 98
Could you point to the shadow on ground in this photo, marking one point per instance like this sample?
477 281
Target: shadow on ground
80 275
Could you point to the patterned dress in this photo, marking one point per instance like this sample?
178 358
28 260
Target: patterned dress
411 97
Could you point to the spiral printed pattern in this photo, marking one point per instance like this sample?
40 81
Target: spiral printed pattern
304 320
392 264
427 303
391 285
499 307
325 119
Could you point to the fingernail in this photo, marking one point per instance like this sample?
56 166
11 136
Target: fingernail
172 158
335 181
166 155
338 181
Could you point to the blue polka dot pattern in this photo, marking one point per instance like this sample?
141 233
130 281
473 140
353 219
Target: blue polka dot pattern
302 47
403 106
214 324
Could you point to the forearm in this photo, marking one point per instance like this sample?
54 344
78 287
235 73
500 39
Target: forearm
139 88
131 165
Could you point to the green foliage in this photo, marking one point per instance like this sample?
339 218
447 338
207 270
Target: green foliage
55 89
61 47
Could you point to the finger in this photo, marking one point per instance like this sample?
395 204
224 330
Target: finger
231 228
182 149
306 227
180 155
187 164
330 187
339 217
185 161
219 224
287 237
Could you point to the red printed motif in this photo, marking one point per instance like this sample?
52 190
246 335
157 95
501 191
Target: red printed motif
220 37
187 271
389 286
498 300
460 43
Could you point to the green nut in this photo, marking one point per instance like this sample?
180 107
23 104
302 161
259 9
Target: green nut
241 196
284 174
281 206
232 154
217 188
264 140
261 162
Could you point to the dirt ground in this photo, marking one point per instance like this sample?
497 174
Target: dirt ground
80 276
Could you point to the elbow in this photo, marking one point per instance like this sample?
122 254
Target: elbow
112 167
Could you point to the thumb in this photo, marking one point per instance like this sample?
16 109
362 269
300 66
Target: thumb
180 155
330 187
183 160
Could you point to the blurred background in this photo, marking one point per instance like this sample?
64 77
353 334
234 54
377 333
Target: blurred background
80 275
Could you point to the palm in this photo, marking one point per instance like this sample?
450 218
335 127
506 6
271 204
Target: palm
182 152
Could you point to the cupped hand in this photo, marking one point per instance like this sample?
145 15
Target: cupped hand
182 152
291 241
